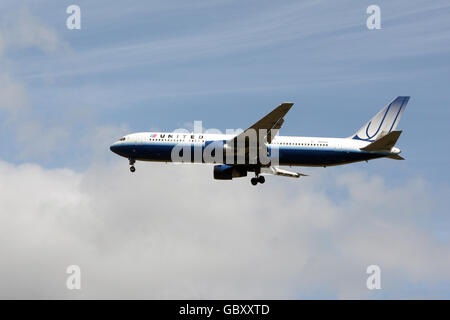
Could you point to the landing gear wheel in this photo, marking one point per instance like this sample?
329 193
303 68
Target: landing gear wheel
254 181
132 169
261 179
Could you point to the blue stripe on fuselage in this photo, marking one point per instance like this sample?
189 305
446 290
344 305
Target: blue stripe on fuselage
288 155
321 156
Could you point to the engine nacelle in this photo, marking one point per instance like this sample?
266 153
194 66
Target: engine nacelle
227 172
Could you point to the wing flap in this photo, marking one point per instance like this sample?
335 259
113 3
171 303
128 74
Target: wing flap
282 172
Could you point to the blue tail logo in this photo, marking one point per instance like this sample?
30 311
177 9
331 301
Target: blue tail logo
383 122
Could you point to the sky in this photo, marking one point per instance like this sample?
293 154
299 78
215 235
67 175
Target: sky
171 231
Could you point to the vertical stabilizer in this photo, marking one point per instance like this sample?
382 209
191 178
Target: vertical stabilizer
383 122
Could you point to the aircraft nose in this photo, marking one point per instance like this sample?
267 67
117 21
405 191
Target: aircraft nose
114 147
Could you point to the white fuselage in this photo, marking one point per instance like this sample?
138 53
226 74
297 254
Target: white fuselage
292 150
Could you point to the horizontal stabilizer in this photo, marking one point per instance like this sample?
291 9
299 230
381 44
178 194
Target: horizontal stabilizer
386 142
396 157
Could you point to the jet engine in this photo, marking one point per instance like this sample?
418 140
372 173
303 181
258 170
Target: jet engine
227 172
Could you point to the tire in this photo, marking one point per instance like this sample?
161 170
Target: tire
132 169
254 181
261 179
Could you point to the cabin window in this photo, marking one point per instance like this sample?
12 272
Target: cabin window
122 139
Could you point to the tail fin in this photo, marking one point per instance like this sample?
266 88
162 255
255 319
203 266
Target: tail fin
383 122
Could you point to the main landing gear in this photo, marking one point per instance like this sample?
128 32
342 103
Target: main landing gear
132 168
259 179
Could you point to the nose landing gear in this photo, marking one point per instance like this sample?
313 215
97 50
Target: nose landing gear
132 168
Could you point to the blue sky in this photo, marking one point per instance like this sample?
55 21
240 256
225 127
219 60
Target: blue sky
140 66
160 65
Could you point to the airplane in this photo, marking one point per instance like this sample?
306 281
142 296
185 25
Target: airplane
236 155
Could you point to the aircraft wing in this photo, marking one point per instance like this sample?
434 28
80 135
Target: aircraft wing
271 123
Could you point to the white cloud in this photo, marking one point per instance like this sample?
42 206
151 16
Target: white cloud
13 94
35 139
22 30
170 231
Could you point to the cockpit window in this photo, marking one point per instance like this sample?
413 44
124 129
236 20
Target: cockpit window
122 139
